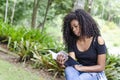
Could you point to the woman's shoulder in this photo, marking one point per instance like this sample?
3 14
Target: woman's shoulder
100 40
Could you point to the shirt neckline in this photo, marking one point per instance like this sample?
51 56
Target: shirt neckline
85 50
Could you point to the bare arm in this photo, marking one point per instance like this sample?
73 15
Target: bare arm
99 67
72 54
101 59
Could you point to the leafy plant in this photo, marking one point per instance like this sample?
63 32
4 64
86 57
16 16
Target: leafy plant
113 67
46 61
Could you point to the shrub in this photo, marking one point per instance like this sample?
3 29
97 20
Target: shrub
113 67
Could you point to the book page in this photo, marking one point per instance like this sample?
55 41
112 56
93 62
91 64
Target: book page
54 55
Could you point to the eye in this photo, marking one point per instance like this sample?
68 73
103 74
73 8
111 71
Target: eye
75 26
71 27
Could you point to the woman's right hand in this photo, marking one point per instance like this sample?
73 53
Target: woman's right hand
61 59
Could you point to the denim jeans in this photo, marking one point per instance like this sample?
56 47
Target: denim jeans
72 74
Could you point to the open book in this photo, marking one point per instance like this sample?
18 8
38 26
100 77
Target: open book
54 55
69 62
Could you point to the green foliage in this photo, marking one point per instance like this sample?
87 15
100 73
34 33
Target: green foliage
63 7
24 40
110 32
46 61
107 10
24 8
30 44
113 67
2 5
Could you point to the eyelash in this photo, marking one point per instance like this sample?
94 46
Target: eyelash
74 26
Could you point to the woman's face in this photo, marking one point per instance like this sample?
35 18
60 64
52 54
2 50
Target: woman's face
75 27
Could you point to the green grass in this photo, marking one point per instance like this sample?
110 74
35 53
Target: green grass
11 72
112 36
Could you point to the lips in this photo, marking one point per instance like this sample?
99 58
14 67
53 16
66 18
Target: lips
76 33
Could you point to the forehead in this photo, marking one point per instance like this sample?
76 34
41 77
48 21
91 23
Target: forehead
74 22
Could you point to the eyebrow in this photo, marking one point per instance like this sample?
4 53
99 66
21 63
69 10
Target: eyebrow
75 24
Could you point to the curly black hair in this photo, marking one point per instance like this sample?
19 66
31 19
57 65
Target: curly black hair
88 25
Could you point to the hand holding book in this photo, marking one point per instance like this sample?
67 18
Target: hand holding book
63 58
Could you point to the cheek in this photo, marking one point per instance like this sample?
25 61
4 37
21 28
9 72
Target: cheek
78 29
79 32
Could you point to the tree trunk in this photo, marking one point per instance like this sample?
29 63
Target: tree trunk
90 5
35 8
78 4
47 8
12 16
6 10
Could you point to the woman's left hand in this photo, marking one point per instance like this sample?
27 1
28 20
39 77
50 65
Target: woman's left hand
77 67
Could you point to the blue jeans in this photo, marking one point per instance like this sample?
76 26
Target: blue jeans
72 74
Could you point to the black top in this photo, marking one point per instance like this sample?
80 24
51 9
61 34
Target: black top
88 57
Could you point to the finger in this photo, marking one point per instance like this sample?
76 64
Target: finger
62 59
59 59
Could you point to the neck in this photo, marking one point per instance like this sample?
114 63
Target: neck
84 39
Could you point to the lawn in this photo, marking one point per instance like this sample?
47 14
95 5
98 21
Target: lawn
11 72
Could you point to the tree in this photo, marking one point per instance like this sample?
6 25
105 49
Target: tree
79 4
12 16
35 8
83 4
107 9
6 11
47 8
89 5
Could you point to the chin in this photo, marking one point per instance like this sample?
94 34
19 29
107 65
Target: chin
78 35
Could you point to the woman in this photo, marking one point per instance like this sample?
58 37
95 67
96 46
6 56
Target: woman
85 45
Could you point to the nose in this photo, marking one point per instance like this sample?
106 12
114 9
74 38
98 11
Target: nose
74 29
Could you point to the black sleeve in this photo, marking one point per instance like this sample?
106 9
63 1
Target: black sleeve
101 49
70 62
70 48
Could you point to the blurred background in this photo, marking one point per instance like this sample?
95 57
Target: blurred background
31 27
48 15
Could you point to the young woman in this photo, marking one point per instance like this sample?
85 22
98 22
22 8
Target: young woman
85 45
